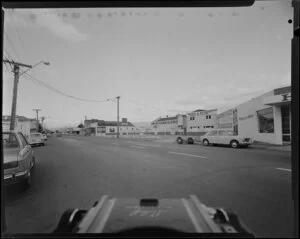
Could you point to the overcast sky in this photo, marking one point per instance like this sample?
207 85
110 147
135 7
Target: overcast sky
160 61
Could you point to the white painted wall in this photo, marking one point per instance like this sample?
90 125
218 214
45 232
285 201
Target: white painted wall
200 120
22 126
249 127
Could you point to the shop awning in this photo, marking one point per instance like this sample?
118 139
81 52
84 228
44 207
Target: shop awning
284 99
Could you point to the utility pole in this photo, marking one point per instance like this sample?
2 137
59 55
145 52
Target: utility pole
37 118
118 100
16 72
43 118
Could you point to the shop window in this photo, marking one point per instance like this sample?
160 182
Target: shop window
266 120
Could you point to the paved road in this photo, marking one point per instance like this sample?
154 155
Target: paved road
75 171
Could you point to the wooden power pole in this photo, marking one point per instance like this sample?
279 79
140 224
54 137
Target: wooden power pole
118 100
37 119
16 72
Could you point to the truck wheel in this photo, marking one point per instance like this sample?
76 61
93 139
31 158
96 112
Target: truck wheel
205 142
234 144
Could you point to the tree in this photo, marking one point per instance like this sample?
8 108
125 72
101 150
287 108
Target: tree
81 126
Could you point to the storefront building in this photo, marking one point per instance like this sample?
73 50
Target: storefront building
200 121
266 118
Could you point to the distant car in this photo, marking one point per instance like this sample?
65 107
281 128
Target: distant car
44 137
225 137
36 139
59 134
183 139
19 159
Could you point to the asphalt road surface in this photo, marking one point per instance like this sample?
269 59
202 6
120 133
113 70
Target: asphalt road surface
74 171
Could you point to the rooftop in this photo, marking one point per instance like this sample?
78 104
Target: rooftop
107 123
198 110
19 117
167 118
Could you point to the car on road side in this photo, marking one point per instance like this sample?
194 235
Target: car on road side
184 139
225 137
19 159
58 134
44 137
36 139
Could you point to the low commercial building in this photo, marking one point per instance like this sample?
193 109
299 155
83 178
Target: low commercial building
166 126
22 124
266 118
103 128
195 123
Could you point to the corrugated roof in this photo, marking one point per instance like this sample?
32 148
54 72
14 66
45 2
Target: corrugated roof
198 110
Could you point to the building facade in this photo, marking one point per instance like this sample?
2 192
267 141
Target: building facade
102 128
166 126
266 118
195 123
22 124
199 121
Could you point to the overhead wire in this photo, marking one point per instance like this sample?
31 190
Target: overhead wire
12 45
46 86
8 58
17 31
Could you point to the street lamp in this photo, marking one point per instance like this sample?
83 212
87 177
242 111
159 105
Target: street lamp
45 63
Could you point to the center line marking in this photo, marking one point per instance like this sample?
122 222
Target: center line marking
137 147
284 169
190 155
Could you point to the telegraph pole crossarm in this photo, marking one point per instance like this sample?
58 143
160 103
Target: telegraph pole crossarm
17 63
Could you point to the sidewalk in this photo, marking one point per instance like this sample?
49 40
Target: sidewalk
262 145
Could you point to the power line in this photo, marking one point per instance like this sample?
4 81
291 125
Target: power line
44 85
8 58
17 31
12 45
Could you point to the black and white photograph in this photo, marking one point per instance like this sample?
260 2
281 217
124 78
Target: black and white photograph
135 119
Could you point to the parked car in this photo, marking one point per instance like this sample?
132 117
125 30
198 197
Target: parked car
59 134
19 159
183 139
225 137
36 139
44 137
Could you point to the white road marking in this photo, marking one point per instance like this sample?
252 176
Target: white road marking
284 169
147 145
190 155
138 147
